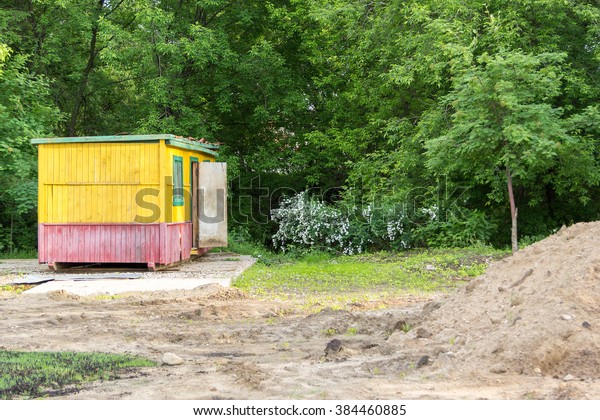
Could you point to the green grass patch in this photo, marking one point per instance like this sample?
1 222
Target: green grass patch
39 374
15 288
343 279
21 254
107 297
351 331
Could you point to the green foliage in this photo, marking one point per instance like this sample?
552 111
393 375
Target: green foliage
37 374
240 242
364 101
20 253
501 122
458 230
25 112
501 116
531 239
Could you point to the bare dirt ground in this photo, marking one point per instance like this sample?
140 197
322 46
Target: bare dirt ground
527 329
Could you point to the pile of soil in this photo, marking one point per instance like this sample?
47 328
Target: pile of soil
535 313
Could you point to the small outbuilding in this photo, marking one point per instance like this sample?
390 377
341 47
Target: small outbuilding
151 199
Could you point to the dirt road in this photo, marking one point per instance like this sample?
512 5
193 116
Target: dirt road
238 347
235 347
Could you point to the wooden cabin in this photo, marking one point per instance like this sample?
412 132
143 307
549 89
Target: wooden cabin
151 199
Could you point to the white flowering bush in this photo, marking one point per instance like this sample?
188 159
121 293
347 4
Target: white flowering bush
306 222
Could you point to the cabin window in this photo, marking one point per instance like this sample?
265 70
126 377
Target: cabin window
177 181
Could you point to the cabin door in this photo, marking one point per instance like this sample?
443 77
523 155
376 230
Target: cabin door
209 204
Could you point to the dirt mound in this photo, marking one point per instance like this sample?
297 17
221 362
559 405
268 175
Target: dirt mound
536 312
62 295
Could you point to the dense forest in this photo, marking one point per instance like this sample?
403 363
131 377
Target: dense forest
349 125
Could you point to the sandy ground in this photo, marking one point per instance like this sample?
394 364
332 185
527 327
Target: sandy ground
211 268
237 347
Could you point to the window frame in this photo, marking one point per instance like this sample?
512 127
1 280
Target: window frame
178 199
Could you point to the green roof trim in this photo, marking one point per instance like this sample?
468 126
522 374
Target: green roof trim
192 145
104 139
170 139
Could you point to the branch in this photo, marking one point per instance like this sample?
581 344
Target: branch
114 8
117 82
217 13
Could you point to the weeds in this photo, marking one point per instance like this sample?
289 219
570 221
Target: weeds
325 279
37 374
330 332
351 331
107 297
15 288
21 254
406 327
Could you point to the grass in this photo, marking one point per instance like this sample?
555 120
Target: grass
40 374
241 243
351 331
330 332
107 297
337 280
21 254
15 288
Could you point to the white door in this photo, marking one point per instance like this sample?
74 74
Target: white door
211 194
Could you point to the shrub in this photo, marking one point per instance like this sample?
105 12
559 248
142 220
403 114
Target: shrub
457 230
307 222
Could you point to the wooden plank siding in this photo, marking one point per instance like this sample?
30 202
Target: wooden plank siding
161 243
98 182
82 183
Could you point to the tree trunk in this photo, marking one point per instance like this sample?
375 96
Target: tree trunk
12 222
514 211
86 73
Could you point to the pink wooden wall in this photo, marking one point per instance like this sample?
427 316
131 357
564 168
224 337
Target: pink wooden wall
160 243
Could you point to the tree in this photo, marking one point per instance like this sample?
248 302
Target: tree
26 111
502 123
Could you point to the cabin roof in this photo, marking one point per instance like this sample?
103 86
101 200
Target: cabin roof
171 139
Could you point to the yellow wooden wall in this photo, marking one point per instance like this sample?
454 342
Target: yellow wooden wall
98 182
